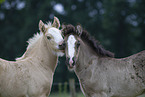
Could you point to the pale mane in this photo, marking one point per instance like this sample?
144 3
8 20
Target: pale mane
36 36
48 25
32 41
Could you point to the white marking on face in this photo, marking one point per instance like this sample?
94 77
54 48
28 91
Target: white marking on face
56 35
71 46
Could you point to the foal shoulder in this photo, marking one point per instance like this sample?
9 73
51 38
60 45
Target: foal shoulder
93 60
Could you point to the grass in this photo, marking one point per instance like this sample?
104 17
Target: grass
64 95
142 96
68 95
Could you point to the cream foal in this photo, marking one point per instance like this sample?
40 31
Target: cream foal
32 74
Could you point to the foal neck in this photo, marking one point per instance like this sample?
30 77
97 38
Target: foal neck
86 54
46 55
86 51
41 52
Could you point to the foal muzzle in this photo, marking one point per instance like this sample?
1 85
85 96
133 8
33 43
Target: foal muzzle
62 46
70 62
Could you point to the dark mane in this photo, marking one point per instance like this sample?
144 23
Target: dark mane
69 29
94 44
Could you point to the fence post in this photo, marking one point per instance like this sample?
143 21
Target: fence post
72 87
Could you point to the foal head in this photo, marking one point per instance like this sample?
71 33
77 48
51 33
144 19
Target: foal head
71 43
52 35
74 38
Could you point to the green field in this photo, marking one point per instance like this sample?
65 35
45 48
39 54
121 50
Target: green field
68 95
64 95
142 96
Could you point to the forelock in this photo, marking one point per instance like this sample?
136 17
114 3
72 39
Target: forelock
69 29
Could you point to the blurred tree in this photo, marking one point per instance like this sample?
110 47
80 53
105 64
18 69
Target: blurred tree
115 25
1 1
140 21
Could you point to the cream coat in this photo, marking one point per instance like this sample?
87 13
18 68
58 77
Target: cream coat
32 74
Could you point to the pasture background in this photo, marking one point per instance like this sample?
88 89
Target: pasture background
119 25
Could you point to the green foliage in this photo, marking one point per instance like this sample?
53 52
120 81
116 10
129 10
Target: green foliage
1 1
65 95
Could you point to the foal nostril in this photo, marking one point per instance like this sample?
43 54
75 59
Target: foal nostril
61 47
73 64
73 59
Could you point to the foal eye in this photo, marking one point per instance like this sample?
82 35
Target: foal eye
78 43
48 37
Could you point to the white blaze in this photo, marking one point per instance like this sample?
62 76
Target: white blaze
56 34
71 46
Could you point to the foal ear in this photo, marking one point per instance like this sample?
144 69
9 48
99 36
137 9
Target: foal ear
56 22
42 27
79 29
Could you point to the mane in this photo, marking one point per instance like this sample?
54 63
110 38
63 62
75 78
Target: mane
69 29
33 40
48 25
31 43
90 41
